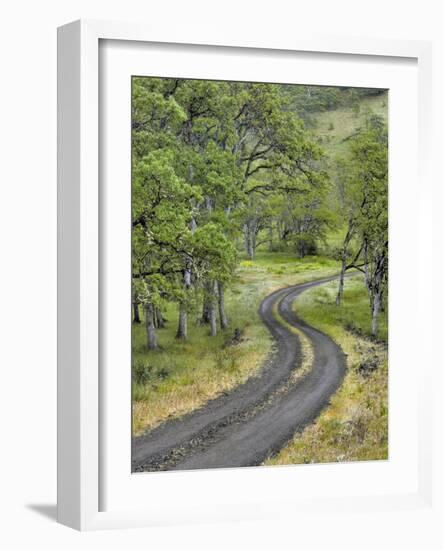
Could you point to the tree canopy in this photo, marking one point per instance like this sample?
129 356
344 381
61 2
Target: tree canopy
220 168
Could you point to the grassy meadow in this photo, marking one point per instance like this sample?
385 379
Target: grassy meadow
335 128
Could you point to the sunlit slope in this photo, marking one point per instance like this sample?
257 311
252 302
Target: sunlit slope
334 128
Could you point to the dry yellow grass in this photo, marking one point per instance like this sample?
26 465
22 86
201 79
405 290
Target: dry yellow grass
208 382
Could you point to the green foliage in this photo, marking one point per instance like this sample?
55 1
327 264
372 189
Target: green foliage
145 373
222 165
362 193
212 160
216 252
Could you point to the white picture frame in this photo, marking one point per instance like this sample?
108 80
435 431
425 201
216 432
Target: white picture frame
80 395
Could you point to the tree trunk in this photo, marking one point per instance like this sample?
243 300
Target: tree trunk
344 257
182 330
250 251
221 305
160 322
205 311
247 240
253 242
376 286
250 236
271 238
151 336
341 281
366 260
212 312
375 312
136 310
206 304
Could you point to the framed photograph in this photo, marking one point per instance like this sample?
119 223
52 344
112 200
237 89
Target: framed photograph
235 221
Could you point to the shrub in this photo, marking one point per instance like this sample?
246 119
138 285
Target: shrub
368 366
142 373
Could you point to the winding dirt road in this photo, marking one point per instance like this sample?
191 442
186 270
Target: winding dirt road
256 419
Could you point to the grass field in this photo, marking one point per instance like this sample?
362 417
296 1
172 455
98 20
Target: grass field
334 128
182 376
355 425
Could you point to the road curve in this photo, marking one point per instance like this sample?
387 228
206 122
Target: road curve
253 421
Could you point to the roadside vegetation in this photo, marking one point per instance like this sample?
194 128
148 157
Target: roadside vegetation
239 189
355 425
180 377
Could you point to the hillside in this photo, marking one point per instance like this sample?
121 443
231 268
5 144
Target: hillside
334 127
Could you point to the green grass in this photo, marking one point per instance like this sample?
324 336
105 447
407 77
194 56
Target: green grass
355 425
318 307
183 376
333 128
271 270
